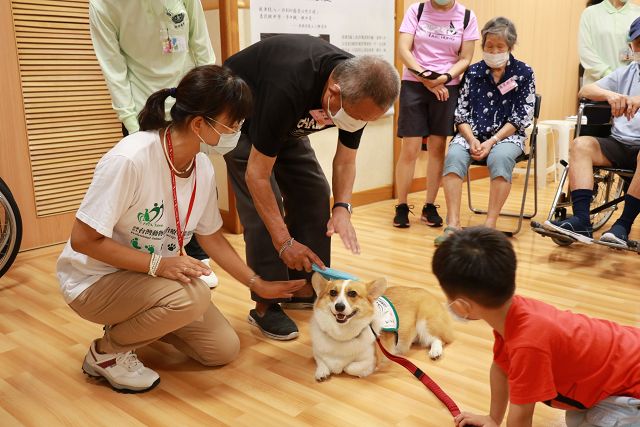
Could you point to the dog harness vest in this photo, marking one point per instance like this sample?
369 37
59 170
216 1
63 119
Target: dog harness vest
390 320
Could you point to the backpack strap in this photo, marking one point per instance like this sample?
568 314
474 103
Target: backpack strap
420 9
418 15
467 17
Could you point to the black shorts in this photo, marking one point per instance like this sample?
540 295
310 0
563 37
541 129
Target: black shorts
421 114
621 156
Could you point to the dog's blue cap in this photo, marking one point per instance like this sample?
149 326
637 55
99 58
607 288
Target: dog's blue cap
331 274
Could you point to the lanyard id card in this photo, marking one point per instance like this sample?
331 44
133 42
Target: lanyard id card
172 43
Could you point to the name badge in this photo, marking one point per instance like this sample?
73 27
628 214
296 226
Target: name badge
321 117
173 44
508 86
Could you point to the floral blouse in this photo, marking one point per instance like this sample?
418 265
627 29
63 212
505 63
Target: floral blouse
482 105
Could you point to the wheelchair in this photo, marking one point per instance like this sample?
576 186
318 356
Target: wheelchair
609 184
10 228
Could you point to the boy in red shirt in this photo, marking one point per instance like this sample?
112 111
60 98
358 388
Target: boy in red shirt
590 367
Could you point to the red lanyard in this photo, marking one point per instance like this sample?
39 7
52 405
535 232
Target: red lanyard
179 233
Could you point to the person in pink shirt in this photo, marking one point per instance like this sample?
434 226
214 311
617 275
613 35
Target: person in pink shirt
436 45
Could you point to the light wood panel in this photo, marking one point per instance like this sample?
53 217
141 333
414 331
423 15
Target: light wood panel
15 166
42 341
48 87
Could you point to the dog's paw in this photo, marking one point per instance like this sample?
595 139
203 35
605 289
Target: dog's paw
322 373
435 352
361 369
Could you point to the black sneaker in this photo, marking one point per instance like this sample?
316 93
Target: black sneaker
274 324
572 227
617 234
401 220
430 215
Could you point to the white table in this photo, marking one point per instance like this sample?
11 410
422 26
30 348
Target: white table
561 146
542 168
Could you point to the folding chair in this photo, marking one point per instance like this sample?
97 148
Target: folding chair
530 157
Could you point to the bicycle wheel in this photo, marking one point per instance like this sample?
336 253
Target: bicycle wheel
10 228
607 186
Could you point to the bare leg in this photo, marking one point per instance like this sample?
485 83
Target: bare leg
584 154
498 193
406 166
452 185
435 164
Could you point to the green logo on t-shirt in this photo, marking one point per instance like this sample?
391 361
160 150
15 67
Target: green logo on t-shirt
151 215
134 243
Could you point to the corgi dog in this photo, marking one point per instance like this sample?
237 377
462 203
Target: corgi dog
346 312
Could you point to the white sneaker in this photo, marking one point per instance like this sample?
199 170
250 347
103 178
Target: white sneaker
123 370
211 280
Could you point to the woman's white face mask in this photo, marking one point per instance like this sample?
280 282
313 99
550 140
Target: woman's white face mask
495 60
343 120
227 141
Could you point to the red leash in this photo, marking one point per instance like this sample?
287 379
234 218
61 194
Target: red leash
424 378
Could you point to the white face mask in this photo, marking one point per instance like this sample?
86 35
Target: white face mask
226 142
495 60
456 316
343 120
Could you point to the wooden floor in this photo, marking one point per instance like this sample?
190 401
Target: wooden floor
42 342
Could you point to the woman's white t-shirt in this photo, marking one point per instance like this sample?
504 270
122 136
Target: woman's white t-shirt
130 200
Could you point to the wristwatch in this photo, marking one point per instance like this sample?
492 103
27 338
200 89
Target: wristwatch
347 206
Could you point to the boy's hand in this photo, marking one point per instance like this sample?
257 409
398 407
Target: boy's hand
469 419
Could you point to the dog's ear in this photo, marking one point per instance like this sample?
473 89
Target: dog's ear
376 288
319 283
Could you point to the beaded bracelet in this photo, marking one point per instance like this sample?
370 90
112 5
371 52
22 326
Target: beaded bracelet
154 263
286 245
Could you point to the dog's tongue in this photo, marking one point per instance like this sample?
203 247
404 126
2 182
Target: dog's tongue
340 317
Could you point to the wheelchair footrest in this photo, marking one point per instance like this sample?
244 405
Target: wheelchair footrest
632 245
537 227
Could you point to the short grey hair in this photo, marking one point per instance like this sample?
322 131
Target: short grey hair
502 27
368 76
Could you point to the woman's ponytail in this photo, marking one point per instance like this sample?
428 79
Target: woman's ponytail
207 90
152 116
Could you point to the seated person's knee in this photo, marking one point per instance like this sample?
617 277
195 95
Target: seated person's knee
500 167
582 146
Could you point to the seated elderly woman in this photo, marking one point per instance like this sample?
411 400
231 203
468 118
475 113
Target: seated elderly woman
496 104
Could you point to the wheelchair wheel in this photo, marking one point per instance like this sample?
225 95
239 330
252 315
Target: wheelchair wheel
10 228
607 186
562 242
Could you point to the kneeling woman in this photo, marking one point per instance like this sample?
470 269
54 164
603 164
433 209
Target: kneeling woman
124 265
496 104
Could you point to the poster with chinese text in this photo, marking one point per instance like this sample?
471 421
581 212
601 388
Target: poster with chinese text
361 27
